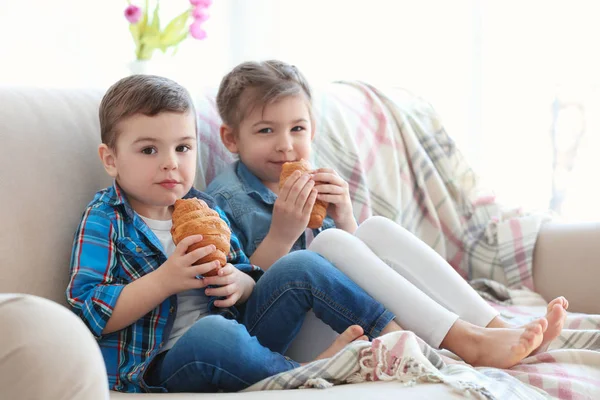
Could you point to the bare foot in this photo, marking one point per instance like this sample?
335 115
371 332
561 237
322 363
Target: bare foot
352 333
494 347
556 315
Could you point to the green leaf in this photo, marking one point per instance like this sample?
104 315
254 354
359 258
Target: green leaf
151 41
154 29
175 31
142 23
135 33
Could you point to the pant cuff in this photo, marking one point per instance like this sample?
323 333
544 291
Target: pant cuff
384 319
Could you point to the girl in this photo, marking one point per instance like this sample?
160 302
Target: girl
267 121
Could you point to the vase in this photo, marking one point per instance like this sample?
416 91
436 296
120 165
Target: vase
160 67
140 67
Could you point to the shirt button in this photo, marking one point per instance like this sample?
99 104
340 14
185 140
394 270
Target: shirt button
172 309
138 249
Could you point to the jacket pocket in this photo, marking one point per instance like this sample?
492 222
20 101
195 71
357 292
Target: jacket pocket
129 247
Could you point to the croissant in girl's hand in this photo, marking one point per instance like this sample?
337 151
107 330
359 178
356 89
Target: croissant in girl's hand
319 210
194 217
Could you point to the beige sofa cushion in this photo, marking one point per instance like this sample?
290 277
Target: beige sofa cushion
361 391
49 140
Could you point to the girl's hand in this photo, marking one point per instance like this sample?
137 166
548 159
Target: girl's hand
292 208
334 190
234 285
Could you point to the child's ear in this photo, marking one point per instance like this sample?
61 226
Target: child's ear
107 156
228 138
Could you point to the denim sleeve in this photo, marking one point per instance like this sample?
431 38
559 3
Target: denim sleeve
229 217
236 255
91 291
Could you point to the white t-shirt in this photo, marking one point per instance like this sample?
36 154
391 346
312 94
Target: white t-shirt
191 304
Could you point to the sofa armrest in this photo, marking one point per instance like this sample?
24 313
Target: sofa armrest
566 262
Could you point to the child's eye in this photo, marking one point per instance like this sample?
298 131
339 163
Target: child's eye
149 150
297 128
183 148
266 130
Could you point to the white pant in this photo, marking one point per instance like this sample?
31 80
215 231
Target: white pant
46 352
404 274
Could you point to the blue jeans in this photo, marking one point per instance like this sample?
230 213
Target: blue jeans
221 354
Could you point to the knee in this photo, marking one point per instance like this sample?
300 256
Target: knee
374 229
330 239
301 265
376 223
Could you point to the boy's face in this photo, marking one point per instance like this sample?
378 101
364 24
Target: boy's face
155 161
272 135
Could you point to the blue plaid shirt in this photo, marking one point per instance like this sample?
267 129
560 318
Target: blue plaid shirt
113 246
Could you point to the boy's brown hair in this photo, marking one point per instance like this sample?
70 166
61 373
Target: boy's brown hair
252 84
140 94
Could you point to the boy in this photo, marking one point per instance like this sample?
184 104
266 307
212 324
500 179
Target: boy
159 327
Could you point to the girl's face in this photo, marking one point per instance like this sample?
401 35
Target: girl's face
272 135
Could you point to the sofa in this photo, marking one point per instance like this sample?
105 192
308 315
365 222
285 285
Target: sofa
49 170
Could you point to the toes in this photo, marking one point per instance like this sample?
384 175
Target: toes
537 327
529 336
352 332
561 301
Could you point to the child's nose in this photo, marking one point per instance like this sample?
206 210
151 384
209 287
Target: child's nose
169 162
284 143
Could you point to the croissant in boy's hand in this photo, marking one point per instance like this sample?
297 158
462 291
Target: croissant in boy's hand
194 217
319 210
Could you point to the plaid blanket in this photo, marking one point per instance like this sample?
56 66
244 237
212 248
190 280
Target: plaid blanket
400 163
402 357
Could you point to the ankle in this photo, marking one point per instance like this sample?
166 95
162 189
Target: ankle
464 339
461 334
498 322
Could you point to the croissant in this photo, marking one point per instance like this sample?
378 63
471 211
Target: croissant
319 210
194 217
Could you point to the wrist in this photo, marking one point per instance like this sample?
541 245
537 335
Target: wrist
160 284
278 241
349 225
249 284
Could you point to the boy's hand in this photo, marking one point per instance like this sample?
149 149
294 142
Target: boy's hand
292 208
334 190
177 274
234 285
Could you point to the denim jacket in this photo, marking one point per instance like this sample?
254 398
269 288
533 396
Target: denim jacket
248 204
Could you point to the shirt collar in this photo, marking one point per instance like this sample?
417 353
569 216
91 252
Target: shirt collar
253 186
115 196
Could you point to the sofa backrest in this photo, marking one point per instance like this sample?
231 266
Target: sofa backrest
49 170
49 167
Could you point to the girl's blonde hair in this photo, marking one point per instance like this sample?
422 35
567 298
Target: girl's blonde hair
253 84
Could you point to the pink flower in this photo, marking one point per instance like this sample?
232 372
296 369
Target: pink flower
196 30
201 3
133 14
200 14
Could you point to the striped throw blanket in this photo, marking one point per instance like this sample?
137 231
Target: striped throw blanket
401 164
